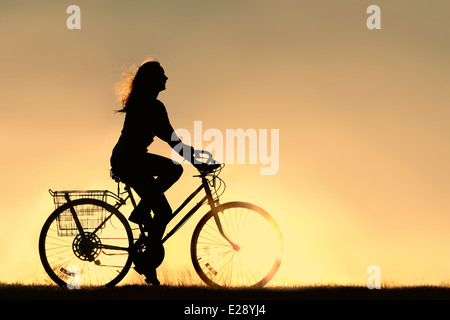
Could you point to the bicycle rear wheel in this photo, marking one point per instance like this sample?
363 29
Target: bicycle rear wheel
255 259
96 256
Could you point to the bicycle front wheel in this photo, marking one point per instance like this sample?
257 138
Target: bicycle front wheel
86 244
250 256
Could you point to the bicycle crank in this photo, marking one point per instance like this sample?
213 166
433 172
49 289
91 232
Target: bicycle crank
148 258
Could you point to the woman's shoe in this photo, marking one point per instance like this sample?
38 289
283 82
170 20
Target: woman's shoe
140 217
151 278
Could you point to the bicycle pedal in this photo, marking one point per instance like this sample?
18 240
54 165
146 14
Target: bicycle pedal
154 281
138 269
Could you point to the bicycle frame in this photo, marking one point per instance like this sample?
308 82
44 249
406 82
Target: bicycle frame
207 198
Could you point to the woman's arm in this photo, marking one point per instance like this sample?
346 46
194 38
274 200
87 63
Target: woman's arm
163 129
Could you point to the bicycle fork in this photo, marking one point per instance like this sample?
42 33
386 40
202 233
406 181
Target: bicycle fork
213 206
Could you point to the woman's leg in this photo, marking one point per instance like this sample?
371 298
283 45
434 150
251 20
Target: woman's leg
167 173
140 175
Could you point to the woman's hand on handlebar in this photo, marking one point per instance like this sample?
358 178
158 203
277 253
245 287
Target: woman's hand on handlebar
199 157
204 164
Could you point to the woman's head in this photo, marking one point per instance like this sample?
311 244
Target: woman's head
147 81
150 77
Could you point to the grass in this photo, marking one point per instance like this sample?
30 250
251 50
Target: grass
185 285
197 293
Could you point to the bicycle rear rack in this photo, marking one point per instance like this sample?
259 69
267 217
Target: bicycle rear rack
59 197
90 215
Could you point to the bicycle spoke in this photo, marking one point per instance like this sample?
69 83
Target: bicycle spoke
256 257
97 257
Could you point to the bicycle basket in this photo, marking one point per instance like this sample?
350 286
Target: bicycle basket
90 216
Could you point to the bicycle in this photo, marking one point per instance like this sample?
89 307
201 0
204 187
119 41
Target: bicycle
87 241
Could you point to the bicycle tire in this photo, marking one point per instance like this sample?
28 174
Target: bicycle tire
74 263
256 260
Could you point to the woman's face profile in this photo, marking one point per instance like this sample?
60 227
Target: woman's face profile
158 79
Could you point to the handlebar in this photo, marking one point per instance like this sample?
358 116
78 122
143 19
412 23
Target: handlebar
205 165
198 155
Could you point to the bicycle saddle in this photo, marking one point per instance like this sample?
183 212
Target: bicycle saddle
114 177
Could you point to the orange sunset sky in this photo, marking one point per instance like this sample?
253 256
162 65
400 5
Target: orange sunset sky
363 118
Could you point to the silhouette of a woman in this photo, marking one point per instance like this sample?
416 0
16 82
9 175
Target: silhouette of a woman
146 117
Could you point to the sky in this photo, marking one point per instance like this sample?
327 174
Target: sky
362 115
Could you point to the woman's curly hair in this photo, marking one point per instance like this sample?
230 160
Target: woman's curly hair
134 81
